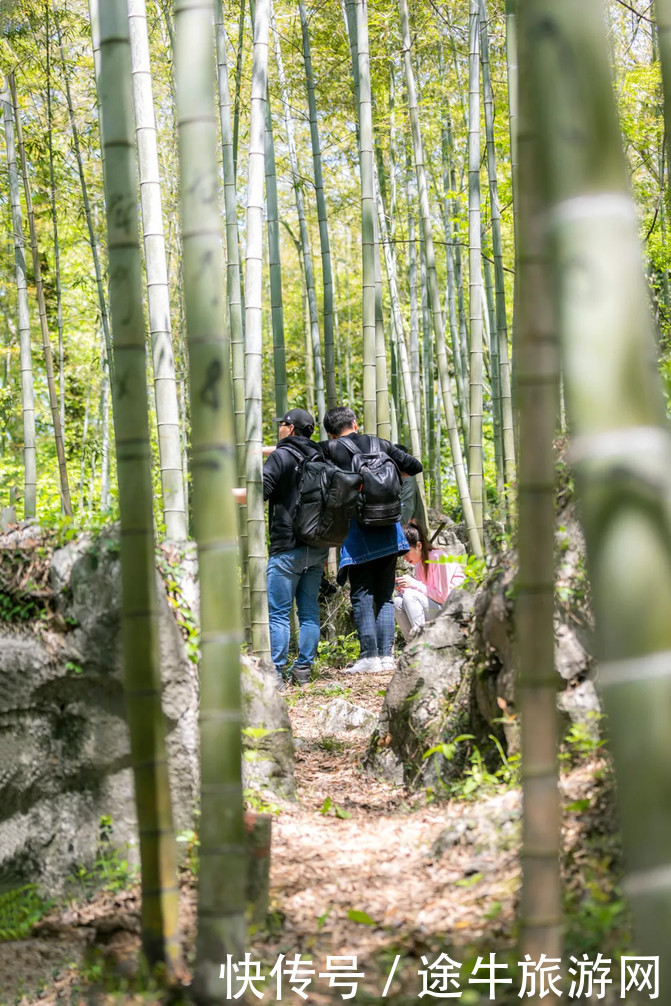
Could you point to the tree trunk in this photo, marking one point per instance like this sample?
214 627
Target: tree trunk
403 362
621 443
540 905
303 231
234 300
512 74
139 621
54 218
475 475
221 883
158 291
254 336
42 310
233 279
238 86
327 275
367 216
436 310
104 435
95 37
27 394
382 410
277 312
501 330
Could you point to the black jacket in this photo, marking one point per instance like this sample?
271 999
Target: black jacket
337 451
280 488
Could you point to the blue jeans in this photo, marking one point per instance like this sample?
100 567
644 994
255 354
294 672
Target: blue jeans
295 573
372 593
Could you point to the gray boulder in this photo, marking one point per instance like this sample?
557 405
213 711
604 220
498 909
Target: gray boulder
343 717
268 747
64 746
441 691
429 698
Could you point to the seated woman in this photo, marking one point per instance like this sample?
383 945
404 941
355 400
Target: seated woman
420 596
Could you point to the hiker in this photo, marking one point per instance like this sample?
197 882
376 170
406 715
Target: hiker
369 553
420 595
294 569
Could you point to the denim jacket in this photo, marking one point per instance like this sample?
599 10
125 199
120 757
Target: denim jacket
365 543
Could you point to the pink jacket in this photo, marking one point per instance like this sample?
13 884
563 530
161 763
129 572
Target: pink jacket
438 579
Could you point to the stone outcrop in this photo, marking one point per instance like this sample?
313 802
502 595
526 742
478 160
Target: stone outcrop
457 675
343 717
64 747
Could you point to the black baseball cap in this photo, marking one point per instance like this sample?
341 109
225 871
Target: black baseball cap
300 418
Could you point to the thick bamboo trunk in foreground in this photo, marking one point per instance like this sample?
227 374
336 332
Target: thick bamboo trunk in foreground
139 620
540 917
620 439
221 881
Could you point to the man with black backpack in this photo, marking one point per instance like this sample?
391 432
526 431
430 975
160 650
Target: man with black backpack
294 568
375 538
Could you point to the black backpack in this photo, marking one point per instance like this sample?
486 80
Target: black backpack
327 497
379 503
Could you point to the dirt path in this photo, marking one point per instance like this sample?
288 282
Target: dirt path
359 868
370 883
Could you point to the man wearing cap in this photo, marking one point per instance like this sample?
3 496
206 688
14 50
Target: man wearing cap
294 569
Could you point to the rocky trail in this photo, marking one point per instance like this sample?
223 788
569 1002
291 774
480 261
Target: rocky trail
359 869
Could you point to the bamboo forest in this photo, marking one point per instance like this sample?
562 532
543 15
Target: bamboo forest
335 501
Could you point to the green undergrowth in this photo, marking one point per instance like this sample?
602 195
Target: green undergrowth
338 652
21 908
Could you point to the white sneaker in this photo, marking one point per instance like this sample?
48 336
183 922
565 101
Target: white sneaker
367 665
388 663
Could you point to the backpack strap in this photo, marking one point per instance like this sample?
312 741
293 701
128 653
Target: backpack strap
352 448
294 451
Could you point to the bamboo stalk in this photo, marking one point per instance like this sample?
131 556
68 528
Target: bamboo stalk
95 38
254 336
367 216
475 459
27 393
42 309
303 229
501 329
327 273
54 217
158 291
620 438
139 622
234 299
434 295
275 269
221 882
540 914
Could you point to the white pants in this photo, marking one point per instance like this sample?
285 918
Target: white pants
413 608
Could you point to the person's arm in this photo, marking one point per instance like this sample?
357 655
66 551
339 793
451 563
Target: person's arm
407 499
272 473
406 463
443 578
240 495
407 582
